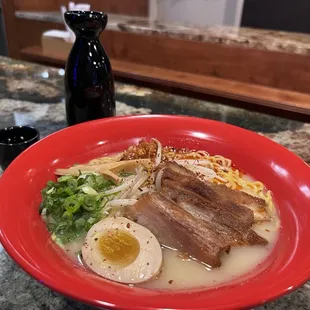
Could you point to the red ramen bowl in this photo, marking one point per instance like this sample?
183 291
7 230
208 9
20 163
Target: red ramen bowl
25 238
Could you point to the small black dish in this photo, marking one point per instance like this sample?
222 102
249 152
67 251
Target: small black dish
14 140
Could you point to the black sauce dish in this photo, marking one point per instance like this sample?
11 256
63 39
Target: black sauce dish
14 140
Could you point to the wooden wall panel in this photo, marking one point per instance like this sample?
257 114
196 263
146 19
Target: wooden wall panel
126 7
202 87
274 69
9 25
36 5
22 33
30 31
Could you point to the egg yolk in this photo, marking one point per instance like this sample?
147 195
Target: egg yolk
119 247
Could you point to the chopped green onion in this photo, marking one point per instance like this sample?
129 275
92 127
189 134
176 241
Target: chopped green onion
69 191
73 204
67 215
72 183
50 190
64 178
90 201
89 190
80 223
126 174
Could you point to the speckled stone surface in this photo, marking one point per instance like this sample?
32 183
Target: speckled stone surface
33 94
272 40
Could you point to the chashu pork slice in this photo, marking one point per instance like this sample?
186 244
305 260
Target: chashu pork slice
232 220
257 205
178 229
216 192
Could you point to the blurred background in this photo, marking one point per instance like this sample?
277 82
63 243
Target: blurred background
242 62
204 46
23 21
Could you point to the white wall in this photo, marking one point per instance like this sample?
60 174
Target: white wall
233 12
199 12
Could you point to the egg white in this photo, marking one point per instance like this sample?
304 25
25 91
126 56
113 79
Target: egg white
146 265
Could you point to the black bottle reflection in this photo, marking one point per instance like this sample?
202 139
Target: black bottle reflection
89 83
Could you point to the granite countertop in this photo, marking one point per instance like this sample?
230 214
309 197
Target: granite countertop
34 95
271 40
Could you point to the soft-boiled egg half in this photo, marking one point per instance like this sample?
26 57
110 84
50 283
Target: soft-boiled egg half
123 251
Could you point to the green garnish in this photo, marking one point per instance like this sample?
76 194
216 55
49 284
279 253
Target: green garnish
73 204
124 174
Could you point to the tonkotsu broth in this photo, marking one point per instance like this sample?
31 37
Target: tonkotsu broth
178 273
186 274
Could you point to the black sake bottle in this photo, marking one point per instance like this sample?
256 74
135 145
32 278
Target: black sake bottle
89 83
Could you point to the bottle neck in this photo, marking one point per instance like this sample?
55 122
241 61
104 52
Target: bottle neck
87 24
85 39
90 49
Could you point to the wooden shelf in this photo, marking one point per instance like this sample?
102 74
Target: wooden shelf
250 94
35 54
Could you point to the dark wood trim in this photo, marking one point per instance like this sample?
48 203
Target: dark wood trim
217 99
125 7
21 30
245 92
266 68
249 94
8 10
35 54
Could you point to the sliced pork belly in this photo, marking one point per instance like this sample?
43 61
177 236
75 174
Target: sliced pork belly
191 216
232 220
216 192
257 205
176 228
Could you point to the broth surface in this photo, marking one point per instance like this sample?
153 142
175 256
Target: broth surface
185 274
179 273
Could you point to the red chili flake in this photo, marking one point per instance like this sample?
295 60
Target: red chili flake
170 281
128 225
